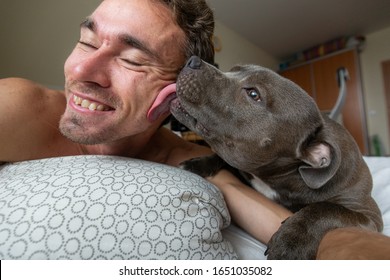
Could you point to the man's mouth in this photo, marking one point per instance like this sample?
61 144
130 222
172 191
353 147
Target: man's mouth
90 105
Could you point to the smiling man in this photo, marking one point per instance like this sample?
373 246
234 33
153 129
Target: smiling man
119 81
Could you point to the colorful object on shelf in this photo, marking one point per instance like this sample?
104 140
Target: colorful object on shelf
322 49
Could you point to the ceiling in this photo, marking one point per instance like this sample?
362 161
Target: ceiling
283 27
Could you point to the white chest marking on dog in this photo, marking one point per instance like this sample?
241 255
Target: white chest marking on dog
263 188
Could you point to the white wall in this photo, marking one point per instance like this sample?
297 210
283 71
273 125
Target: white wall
237 50
37 36
376 51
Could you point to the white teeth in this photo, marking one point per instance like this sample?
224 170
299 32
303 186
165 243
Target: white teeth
85 103
77 100
92 106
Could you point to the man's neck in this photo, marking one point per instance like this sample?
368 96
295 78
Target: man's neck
132 146
142 146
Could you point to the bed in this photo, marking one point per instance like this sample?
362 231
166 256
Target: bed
106 207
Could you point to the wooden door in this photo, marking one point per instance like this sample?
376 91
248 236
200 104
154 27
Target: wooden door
302 76
327 90
386 79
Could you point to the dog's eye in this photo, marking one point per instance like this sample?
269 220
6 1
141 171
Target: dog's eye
254 94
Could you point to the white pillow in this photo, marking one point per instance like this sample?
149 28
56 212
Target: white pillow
104 207
380 170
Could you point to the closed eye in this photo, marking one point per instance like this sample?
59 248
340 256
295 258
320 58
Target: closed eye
88 45
131 62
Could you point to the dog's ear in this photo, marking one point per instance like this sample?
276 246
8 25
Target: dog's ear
322 160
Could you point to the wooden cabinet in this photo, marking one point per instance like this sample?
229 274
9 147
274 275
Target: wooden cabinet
301 75
319 79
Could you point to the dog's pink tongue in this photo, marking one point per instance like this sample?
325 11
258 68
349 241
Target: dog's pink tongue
161 103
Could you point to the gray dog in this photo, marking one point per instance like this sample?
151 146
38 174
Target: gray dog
272 132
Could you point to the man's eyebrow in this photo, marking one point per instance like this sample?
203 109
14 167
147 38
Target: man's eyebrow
88 23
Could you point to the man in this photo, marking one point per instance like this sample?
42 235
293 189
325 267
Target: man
128 52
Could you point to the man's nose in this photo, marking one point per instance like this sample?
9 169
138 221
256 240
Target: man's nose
94 69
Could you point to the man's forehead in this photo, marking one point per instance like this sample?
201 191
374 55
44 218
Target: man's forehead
150 20
146 24
135 11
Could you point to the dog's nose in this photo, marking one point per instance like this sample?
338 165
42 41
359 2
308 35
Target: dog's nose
194 62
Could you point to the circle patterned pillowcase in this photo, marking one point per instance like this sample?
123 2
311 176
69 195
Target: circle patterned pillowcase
105 207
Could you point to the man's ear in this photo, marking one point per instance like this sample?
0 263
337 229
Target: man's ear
321 163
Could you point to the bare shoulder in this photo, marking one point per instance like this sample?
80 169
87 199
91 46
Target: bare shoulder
15 90
29 115
21 99
13 84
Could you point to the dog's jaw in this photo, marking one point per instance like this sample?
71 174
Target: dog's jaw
189 96
182 115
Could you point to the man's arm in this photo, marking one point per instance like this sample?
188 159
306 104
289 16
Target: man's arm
354 244
256 214
28 119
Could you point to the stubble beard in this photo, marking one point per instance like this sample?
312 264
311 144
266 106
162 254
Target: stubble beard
73 129
78 130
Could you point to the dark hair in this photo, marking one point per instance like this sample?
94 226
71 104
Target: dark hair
196 19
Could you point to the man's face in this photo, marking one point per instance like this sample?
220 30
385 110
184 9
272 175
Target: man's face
129 50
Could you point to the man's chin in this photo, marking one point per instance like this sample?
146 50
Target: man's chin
80 135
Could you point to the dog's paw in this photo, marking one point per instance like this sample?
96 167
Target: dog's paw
198 166
292 242
204 166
